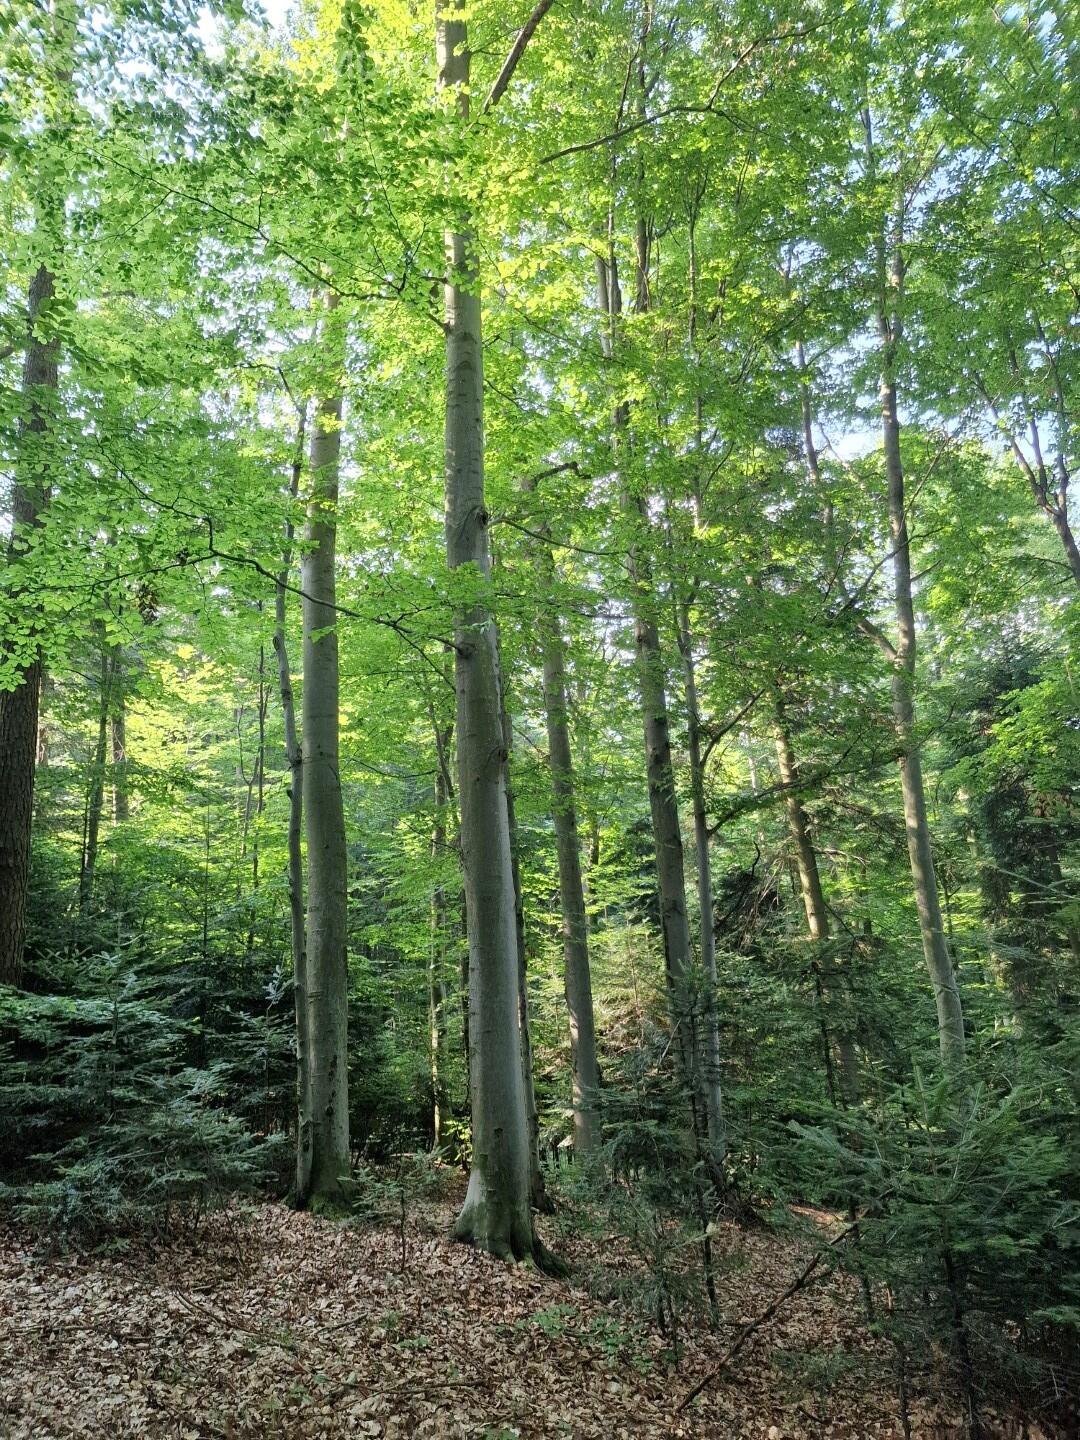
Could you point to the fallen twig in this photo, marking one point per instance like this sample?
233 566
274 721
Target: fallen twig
803 1278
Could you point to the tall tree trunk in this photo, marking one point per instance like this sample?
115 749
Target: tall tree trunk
584 1071
660 772
327 958
920 852
714 1104
294 759
496 1215
950 1016
713 1092
95 802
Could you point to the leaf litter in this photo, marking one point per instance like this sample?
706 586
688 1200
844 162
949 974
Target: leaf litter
273 1325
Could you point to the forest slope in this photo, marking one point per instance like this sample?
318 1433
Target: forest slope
276 1324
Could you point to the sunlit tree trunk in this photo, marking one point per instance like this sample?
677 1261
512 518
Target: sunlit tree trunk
496 1215
813 896
327 895
920 852
294 835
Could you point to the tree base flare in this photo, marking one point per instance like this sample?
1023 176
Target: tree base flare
502 1226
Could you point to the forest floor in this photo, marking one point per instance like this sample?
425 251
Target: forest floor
275 1324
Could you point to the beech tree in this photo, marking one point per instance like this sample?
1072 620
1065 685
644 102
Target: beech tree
496 1214
644 440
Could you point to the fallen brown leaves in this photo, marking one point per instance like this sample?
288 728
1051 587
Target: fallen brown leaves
281 1325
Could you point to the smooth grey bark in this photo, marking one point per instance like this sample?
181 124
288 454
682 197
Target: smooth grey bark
496 1214
324 821
714 1105
294 834
901 656
584 1071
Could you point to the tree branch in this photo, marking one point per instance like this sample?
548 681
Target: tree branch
510 64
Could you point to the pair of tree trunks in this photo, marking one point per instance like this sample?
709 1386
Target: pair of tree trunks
693 1014
901 655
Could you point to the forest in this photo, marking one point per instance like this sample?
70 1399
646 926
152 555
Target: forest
539 719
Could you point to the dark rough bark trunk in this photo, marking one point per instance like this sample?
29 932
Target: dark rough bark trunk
496 1215
327 892
584 1072
19 706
